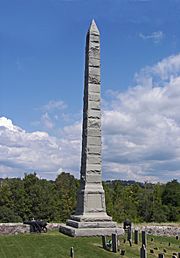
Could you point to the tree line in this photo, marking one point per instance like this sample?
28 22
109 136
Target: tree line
54 201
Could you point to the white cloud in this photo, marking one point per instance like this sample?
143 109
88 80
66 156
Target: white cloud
52 113
22 152
54 105
141 134
47 121
155 36
142 126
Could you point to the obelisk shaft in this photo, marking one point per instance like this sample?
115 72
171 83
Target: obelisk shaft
91 136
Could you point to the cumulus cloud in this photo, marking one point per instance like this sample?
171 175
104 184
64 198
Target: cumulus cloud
21 152
141 134
142 125
155 36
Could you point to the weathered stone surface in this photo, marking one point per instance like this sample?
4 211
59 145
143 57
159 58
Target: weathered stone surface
94 62
94 88
94 123
94 96
91 224
80 232
94 149
93 178
94 159
94 71
94 38
160 230
93 132
93 168
94 78
13 228
96 114
94 52
94 141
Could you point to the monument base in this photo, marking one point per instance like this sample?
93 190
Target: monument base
87 232
93 225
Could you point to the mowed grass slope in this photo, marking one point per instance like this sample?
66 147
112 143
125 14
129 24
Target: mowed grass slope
55 245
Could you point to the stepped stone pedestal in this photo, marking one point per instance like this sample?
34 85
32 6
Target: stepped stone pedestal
90 218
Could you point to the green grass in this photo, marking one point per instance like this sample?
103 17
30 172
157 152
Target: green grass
55 245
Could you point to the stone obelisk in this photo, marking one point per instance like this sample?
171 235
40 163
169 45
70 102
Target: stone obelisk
90 217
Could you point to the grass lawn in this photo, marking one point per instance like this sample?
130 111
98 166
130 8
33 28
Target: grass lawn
56 245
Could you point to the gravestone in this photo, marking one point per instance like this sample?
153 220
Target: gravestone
72 252
90 218
143 252
104 242
144 238
160 255
136 237
114 243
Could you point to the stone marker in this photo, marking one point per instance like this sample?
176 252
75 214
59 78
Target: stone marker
90 218
143 252
122 252
114 243
144 238
104 242
160 255
136 237
72 252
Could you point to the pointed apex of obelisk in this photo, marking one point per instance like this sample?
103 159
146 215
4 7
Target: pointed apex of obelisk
93 27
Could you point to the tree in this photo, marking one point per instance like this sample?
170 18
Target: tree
66 186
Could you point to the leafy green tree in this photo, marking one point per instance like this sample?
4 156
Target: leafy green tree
66 186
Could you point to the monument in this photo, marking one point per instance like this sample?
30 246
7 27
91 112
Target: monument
90 218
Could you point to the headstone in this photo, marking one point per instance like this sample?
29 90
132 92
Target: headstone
144 238
136 237
72 252
129 236
160 255
104 242
143 252
90 217
123 252
114 243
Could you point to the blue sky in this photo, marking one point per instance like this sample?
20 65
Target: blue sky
41 85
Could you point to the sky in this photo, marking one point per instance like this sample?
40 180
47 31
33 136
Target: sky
42 45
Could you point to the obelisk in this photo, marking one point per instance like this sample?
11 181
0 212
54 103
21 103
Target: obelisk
90 217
